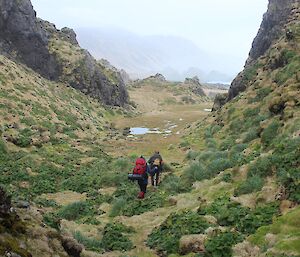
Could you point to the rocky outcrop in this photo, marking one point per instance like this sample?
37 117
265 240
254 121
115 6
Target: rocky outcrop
192 243
220 100
158 77
71 246
89 78
23 39
26 39
195 85
272 28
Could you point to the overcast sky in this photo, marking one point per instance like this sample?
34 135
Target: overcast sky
220 26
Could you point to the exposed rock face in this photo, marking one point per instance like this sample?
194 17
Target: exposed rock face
272 28
89 79
70 35
195 85
158 77
220 100
27 39
23 38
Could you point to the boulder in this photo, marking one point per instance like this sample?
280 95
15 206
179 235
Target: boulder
71 246
5 203
219 101
192 243
246 249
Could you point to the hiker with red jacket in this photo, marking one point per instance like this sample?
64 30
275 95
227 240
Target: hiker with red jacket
156 163
140 173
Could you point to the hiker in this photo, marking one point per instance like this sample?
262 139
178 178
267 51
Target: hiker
156 163
140 173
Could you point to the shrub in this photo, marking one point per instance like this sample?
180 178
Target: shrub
76 211
250 136
238 148
151 202
227 177
270 133
211 143
114 238
260 94
227 143
122 164
250 72
236 126
46 202
90 244
248 113
241 218
262 167
218 165
24 138
192 155
220 245
287 162
250 185
117 207
195 172
173 185
288 71
3 148
166 237
52 220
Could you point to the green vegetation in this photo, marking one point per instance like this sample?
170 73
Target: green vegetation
220 245
270 133
250 72
90 244
115 237
165 239
126 203
243 219
260 95
285 228
289 70
250 185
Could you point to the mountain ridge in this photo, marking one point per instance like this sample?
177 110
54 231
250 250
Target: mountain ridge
35 43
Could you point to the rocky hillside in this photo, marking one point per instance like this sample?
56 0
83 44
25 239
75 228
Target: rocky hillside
164 92
55 54
245 157
280 21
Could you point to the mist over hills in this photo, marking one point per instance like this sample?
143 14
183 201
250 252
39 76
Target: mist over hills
141 56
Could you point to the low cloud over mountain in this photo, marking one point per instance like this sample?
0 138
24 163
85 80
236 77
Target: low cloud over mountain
142 56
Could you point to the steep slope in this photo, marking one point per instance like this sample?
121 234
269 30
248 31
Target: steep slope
55 54
244 162
51 141
273 27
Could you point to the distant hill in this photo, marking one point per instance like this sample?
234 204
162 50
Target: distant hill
142 56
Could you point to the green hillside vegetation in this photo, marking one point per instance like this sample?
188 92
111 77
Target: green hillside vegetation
236 192
253 145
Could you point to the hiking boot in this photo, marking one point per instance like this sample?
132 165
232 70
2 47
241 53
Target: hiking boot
141 195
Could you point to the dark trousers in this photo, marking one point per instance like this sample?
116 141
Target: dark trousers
142 185
155 178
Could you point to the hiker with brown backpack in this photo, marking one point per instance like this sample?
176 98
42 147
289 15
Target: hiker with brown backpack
156 163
